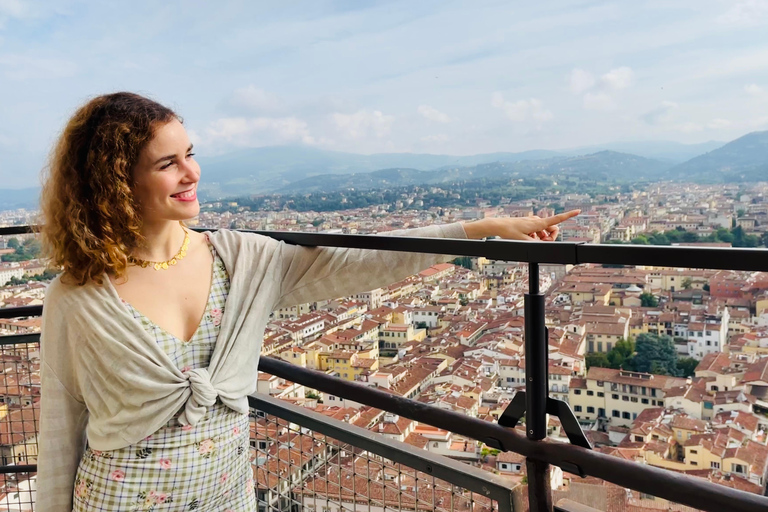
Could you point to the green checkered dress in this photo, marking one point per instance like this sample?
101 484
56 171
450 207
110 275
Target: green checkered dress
205 468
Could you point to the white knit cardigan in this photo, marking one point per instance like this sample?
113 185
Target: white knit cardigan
105 379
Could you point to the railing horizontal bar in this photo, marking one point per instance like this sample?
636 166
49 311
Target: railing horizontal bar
544 252
21 311
19 339
687 490
29 468
18 230
537 252
466 476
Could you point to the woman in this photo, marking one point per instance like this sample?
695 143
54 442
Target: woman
151 336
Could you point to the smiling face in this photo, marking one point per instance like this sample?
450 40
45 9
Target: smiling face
166 176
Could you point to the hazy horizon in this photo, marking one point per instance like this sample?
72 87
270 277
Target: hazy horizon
431 77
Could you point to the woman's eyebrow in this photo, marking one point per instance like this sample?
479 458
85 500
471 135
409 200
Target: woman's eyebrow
171 157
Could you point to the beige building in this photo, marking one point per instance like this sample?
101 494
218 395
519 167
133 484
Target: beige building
618 396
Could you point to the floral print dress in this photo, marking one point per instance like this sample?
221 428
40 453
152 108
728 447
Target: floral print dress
178 468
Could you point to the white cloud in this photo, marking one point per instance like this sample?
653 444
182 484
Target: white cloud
598 101
252 100
619 78
11 8
580 81
689 127
521 110
255 131
718 124
439 138
363 124
745 12
433 114
662 114
20 67
753 89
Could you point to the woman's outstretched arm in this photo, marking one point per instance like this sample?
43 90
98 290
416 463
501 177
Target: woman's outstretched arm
315 273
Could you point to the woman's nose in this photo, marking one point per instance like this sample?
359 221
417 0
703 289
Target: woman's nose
191 171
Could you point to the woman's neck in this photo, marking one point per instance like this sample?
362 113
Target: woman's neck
163 241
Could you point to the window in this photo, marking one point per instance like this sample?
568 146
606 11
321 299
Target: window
600 394
600 383
615 396
434 445
694 463
695 452
576 391
625 398
633 399
591 410
738 468
625 415
644 400
639 439
590 393
615 413
714 465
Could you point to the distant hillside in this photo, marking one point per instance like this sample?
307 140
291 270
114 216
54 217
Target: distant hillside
13 199
603 166
744 159
664 150
271 168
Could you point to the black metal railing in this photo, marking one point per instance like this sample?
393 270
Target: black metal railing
318 474
540 453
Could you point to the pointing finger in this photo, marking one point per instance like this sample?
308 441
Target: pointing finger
560 217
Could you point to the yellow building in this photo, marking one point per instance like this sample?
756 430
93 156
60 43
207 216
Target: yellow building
587 293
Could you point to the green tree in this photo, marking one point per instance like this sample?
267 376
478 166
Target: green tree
687 283
621 354
686 366
598 359
655 354
648 300
14 244
689 237
463 261
640 240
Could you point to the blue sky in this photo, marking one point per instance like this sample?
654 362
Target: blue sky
413 76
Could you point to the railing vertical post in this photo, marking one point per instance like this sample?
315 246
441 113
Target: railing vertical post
536 392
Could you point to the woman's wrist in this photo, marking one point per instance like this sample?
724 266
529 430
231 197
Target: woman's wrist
480 228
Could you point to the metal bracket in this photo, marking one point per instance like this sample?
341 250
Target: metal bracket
558 408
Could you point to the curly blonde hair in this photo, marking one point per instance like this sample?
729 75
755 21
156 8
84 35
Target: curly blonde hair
91 221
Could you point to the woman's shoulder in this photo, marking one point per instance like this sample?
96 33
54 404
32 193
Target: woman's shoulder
62 290
234 240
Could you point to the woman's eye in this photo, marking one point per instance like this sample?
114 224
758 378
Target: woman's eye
167 165
190 155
